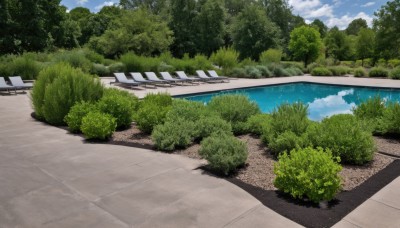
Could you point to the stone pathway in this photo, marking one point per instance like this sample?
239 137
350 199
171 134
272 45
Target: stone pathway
50 178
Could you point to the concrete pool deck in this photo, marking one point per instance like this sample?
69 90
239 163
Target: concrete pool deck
243 83
50 178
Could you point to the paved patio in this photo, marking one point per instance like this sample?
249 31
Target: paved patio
50 178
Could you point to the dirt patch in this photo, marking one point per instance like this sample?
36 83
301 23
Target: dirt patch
389 145
132 137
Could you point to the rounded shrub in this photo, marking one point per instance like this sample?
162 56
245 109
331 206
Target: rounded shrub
26 67
378 72
100 70
279 71
395 73
235 109
117 67
286 142
346 137
173 135
390 120
152 111
76 114
257 124
223 152
238 73
97 125
188 110
360 72
339 70
371 111
294 71
321 71
120 104
58 88
253 72
207 125
264 71
308 173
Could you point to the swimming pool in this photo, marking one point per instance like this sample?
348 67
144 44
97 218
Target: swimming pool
323 100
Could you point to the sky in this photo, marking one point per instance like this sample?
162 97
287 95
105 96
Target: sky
332 12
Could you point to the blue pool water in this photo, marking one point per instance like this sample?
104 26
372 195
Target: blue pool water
322 100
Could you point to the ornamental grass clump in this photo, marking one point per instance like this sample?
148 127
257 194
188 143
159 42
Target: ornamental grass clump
321 71
378 72
346 137
360 72
308 173
152 111
97 125
58 88
395 73
224 153
235 109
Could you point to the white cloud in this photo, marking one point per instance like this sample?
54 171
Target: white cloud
368 4
345 20
81 2
109 3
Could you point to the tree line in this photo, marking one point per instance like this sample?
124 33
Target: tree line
151 27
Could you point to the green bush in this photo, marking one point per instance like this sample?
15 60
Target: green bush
152 111
264 71
135 63
368 63
271 56
164 67
247 62
121 105
390 121
287 117
259 123
206 126
378 72
238 73
279 71
58 88
235 109
223 152
308 173
25 67
286 142
348 63
188 110
173 135
96 125
100 70
393 63
93 56
339 70
395 73
371 111
294 71
75 58
346 137
252 72
76 113
381 63
117 67
321 71
201 62
226 58
360 72
312 66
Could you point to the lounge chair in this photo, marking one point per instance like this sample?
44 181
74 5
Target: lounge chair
204 76
182 75
4 86
122 79
17 82
153 77
214 74
167 76
138 77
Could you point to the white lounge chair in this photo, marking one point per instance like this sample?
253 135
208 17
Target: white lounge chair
182 75
138 77
17 82
204 76
123 80
153 77
4 86
214 74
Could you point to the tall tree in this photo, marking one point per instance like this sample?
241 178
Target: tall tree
305 44
210 22
280 13
183 15
338 45
355 26
254 33
322 28
155 6
79 13
6 40
387 29
365 44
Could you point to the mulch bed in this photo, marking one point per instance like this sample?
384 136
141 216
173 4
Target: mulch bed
359 182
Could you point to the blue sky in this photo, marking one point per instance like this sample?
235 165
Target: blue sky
333 12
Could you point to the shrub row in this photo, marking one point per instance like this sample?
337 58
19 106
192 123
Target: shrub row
266 71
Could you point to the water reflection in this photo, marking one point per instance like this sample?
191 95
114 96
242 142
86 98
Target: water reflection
331 105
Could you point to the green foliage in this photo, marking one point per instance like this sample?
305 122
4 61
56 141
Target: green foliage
339 70
235 109
371 111
100 70
117 67
24 66
346 137
338 45
97 125
395 73
173 135
356 26
305 43
135 63
223 152
152 111
259 123
207 125
390 122
252 72
279 71
393 63
187 110
294 71
365 44
226 58
76 113
264 71
360 72
321 71
253 32
121 105
308 173
238 73
286 142
271 56
58 88
378 72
